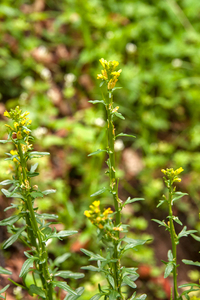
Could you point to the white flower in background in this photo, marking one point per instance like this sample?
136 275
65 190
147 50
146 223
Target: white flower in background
69 79
27 82
119 145
177 63
109 34
40 132
23 96
45 74
131 48
99 122
42 50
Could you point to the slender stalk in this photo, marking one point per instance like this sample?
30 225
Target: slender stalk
173 240
40 245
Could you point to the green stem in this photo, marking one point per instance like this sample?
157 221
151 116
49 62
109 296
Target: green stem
36 234
173 240
114 188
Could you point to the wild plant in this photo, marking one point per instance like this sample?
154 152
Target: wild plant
33 230
110 230
170 178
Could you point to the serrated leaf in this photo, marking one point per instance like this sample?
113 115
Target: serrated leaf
97 152
64 286
10 221
129 200
13 238
69 274
60 259
27 265
119 115
169 268
185 232
11 194
161 223
178 195
91 268
190 262
129 282
37 290
61 234
124 134
79 292
4 271
36 194
132 243
47 192
101 191
96 101
6 182
93 256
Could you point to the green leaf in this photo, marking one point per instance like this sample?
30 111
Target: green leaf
113 295
93 256
4 271
111 281
79 292
36 194
97 101
69 274
160 203
27 265
96 297
61 234
64 286
101 191
46 216
119 115
47 192
185 232
97 152
36 154
60 259
6 182
124 134
11 194
178 195
10 221
129 282
13 238
161 223
4 141
142 297
170 256
197 238
169 268
190 262
129 200
4 289
91 268
33 168
37 290
176 219
132 243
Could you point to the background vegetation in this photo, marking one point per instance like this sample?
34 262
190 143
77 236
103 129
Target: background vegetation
49 58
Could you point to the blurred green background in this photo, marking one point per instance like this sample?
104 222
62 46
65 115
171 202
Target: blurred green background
49 58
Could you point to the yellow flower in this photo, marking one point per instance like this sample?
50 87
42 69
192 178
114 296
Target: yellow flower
19 135
100 226
96 203
118 228
87 213
178 171
6 114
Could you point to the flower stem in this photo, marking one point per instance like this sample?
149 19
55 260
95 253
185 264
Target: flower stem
173 240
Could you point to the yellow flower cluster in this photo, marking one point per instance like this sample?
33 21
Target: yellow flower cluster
95 215
173 174
108 73
19 129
